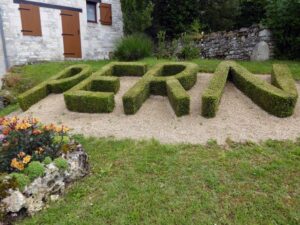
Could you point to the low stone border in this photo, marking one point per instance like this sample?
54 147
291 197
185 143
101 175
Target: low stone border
48 188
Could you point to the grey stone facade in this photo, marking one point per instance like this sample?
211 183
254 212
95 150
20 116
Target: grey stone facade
2 58
253 43
97 40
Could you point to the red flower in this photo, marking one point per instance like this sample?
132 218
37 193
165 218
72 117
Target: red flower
6 131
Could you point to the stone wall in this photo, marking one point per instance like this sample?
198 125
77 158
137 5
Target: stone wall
253 43
97 40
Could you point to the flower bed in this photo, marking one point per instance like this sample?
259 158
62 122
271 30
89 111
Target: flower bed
36 163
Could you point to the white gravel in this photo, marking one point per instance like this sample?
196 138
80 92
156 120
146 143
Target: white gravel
238 118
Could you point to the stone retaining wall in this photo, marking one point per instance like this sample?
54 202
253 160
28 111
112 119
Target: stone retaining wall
253 43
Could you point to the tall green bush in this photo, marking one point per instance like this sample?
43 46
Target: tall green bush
283 18
251 12
134 47
137 15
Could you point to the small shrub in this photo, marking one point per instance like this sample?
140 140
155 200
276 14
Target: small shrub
16 83
34 170
47 160
61 163
189 49
134 47
165 49
5 185
21 179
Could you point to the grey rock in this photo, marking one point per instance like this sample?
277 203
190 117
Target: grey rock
14 202
264 33
261 52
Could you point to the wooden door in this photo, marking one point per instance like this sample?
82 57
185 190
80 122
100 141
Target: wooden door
71 33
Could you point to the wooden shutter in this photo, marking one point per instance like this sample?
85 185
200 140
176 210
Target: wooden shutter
31 20
105 14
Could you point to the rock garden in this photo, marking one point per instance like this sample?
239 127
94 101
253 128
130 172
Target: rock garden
38 162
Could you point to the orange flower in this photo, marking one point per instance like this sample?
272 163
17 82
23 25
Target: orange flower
17 165
63 129
6 131
35 120
36 132
27 159
21 154
50 127
23 126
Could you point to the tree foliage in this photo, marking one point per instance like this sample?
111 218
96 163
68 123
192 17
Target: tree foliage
282 17
137 15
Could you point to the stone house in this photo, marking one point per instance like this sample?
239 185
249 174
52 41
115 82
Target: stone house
41 30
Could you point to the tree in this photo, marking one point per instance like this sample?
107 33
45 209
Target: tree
176 17
282 17
251 12
137 15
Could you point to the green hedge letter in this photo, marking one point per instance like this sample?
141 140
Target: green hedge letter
278 98
59 83
171 79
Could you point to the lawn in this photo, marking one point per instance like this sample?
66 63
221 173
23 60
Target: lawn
146 182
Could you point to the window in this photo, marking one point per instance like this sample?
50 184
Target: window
31 20
91 12
105 12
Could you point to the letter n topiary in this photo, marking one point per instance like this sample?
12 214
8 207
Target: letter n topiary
171 79
96 94
278 98
56 84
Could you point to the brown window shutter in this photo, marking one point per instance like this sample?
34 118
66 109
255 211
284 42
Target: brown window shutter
31 20
105 14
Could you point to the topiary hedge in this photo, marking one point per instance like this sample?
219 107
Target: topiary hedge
56 84
96 93
278 98
178 97
155 82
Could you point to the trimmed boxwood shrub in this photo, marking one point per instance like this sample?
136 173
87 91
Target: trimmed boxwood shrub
106 84
59 83
278 98
155 82
96 93
178 97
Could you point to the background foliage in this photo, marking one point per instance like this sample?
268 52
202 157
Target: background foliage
177 17
282 17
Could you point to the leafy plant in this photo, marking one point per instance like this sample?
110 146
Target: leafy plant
26 140
21 179
134 47
61 163
34 170
189 49
47 160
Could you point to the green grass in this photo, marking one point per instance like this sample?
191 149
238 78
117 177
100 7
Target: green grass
43 71
149 183
9 109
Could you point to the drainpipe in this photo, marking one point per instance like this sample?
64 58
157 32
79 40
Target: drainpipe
3 41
